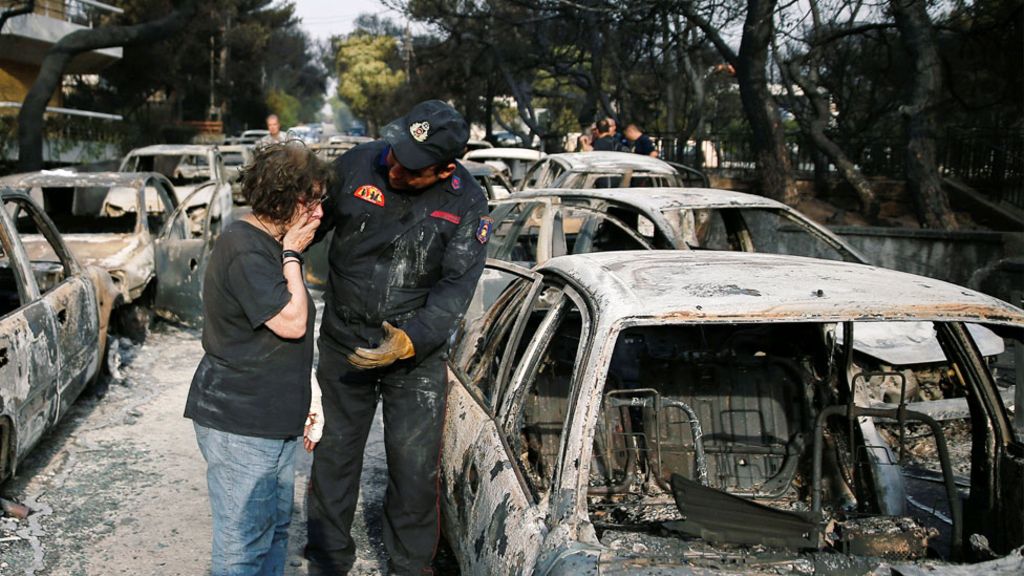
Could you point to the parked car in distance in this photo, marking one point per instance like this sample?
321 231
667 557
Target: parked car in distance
513 161
337 145
308 133
348 139
607 170
53 328
247 137
668 412
130 225
187 166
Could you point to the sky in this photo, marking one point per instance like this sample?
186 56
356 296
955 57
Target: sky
323 18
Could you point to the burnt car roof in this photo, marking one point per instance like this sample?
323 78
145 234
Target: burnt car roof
615 162
478 168
528 154
711 286
660 199
64 178
159 149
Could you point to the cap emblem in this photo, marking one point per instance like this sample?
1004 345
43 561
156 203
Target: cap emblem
419 131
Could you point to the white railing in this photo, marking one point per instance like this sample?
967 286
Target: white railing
81 12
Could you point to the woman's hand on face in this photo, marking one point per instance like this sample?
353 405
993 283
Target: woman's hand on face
301 234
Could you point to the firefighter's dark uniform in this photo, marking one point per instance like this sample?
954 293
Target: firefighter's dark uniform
412 259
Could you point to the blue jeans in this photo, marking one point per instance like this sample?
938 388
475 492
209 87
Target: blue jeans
251 483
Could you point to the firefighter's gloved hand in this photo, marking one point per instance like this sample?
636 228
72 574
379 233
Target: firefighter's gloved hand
396 346
314 427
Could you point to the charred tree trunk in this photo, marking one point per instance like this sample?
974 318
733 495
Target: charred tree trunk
759 105
923 178
30 118
814 123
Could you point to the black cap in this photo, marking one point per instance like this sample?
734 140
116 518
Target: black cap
430 133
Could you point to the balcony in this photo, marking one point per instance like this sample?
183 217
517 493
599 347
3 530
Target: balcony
26 39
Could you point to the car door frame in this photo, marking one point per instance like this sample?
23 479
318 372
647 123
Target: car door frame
599 213
545 241
555 507
180 299
75 339
29 344
485 491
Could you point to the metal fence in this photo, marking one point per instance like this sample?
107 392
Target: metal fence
989 161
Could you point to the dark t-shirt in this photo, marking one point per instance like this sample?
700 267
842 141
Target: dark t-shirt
250 381
643 145
607 144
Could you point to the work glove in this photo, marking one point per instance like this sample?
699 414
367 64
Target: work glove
396 346
314 427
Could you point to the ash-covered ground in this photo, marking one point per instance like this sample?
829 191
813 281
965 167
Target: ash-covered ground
119 486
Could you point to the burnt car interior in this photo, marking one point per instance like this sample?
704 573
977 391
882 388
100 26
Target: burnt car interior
748 435
722 437
96 210
47 266
180 169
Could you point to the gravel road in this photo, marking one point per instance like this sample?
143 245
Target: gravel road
119 486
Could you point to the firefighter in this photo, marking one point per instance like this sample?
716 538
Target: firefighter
410 232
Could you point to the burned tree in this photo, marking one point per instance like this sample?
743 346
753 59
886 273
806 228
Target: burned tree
30 118
923 179
751 64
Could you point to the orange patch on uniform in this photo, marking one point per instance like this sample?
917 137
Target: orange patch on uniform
371 194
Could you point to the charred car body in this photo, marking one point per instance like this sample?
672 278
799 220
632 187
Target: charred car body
130 225
660 412
582 170
535 225
187 166
53 328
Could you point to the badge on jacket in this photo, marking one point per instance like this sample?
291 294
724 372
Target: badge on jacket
483 230
371 194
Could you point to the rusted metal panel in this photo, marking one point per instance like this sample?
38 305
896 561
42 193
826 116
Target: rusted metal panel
50 339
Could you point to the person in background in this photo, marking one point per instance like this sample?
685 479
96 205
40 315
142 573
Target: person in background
639 143
275 136
252 395
605 139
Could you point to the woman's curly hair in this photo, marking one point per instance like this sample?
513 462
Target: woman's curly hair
279 176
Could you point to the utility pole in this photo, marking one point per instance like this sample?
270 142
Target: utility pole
211 115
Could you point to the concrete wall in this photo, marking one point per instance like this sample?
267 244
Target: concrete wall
954 256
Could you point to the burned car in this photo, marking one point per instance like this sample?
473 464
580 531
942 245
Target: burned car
662 412
513 162
606 170
53 328
187 166
492 181
130 225
535 225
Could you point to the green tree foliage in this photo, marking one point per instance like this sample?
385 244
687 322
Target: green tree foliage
370 76
285 106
